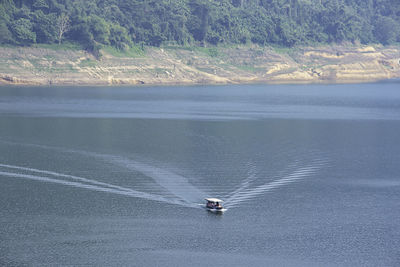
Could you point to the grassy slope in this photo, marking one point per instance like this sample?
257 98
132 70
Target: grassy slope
193 65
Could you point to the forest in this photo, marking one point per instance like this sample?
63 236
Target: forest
124 23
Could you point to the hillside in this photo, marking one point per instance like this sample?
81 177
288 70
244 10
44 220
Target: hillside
198 65
121 24
198 41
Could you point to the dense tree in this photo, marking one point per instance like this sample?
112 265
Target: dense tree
23 31
5 34
121 23
119 37
386 29
44 26
40 4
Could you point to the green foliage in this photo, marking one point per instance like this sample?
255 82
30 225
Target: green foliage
88 63
121 24
44 26
5 34
134 51
64 46
100 29
80 33
23 31
5 12
210 51
386 30
40 4
119 37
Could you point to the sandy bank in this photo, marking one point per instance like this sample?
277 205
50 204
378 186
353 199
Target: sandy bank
177 65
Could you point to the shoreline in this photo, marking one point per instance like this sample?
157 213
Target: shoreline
171 66
77 84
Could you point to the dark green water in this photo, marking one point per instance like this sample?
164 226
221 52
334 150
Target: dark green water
114 176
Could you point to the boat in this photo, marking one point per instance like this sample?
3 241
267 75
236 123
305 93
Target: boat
214 205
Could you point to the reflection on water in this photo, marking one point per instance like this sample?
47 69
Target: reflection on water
211 103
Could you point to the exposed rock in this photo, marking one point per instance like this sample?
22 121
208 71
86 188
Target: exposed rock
27 65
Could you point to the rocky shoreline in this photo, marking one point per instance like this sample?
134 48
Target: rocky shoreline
189 66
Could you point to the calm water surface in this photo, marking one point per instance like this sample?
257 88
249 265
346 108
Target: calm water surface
310 175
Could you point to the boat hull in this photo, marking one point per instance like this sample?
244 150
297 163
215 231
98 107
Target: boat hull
215 210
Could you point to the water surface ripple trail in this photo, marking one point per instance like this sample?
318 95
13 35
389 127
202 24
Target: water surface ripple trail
245 193
176 184
85 183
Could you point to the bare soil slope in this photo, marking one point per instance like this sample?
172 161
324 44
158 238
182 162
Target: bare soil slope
179 65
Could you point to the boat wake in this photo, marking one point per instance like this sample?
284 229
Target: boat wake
181 191
174 183
245 194
84 183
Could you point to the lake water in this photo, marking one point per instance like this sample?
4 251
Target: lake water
114 176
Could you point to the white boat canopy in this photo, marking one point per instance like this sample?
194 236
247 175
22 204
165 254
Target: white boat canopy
213 200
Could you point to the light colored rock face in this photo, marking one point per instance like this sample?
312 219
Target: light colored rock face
176 65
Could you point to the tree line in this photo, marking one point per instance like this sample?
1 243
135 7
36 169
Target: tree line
122 23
